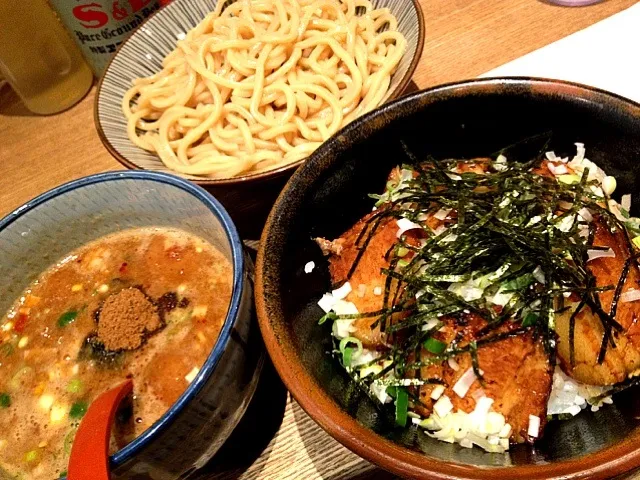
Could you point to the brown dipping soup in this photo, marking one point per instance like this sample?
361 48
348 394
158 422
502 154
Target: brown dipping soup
146 304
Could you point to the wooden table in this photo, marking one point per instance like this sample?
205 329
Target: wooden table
464 38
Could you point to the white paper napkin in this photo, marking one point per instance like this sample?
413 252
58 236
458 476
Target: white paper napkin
605 55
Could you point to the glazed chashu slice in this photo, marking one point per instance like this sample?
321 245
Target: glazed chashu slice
343 252
517 372
624 359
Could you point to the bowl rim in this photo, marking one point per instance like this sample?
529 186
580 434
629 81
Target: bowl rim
238 262
317 403
256 177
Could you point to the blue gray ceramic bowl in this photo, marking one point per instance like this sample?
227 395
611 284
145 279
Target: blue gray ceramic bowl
42 231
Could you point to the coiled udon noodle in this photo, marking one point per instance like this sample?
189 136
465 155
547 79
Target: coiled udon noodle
262 83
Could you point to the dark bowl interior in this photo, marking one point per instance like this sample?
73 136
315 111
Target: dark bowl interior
329 193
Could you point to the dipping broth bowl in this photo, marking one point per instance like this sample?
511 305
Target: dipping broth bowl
44 230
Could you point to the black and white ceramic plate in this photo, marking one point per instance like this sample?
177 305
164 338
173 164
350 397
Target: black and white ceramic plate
142 54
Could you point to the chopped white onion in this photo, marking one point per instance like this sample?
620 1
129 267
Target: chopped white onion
557 169
380 392
309 266
609 184
327 302
505 432
453 364
566 223
625 202
443 406
342 307
189 377
404 224
464 383
585 214
580 152
343 328
452 237
538 274
483 405
437 392
551 156
442 213
534 426
377 290
466 443
593 254
630 296
342 292
440 230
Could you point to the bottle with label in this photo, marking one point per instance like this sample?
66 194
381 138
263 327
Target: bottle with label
100 26
39 59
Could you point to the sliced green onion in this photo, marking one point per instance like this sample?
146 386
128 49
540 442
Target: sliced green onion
402 406
569 179
78 410
63 474
31 456
5 400
402 263
434 346
68 441
530 319
66 318
327 316
636 241
6 349
348 353
392 391
74 386
519 283
402 251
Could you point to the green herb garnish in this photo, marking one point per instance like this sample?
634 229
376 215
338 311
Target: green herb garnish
74 386
402 406
327 316
434 346
5 400
67 317
78 410
347 352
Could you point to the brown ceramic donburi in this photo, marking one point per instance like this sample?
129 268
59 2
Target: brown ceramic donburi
329 193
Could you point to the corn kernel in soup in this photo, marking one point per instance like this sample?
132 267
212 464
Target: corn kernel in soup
146 304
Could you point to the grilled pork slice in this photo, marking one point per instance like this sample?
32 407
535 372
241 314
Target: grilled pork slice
624 359
367 281
516 371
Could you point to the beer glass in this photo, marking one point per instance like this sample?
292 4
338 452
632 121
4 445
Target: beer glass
39 59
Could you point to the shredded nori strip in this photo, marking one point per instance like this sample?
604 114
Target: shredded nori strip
510 214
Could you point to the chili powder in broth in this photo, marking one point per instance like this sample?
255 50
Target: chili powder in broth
53 358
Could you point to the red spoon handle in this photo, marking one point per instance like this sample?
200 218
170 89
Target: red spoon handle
90 451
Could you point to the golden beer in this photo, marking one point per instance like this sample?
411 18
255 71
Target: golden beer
39 59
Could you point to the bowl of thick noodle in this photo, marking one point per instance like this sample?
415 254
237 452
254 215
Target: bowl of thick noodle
229 93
